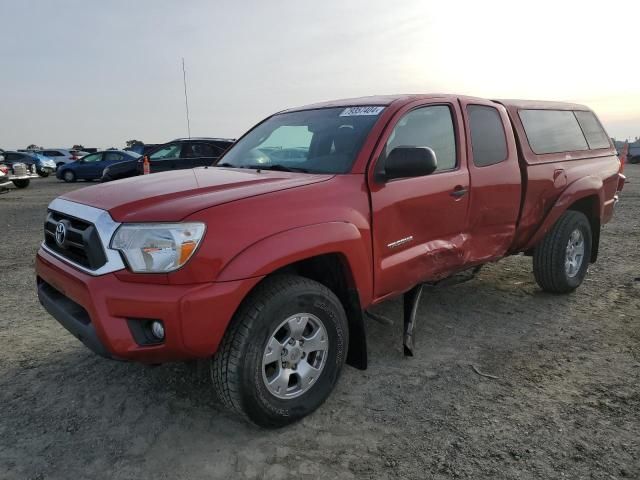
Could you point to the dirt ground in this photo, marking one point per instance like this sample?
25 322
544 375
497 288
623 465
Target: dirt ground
566 403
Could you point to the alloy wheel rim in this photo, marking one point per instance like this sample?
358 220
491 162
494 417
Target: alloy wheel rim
574 255
68 176
295 356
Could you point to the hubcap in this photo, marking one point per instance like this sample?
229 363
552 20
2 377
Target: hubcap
68 176
574 254
295 356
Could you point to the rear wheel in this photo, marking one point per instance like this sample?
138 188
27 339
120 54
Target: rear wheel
561 260
24 183
283 352
43 173
68 176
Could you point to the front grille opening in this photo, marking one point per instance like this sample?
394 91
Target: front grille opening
75 310
82 244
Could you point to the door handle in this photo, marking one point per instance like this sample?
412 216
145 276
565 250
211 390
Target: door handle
459 191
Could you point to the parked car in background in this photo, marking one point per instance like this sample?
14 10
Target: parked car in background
633 156
62 156
178 154
90 167
44 165
19 168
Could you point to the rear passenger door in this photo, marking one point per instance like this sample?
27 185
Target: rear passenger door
495 193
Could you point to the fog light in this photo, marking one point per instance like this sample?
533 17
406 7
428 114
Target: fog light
157 329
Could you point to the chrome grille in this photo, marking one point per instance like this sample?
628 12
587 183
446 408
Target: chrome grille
81 242
20 169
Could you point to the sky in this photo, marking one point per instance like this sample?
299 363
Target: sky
98 73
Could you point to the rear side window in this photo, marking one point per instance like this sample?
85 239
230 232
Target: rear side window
552 131
596 136
198 150
488 141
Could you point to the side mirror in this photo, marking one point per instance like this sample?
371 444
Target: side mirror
404 162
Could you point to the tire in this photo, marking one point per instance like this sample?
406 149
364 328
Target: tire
552 266
68 176
24 183
240 375
43 174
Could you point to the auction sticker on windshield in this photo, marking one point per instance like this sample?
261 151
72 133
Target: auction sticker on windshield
356 111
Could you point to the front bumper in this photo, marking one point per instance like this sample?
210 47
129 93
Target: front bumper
99 311
22 177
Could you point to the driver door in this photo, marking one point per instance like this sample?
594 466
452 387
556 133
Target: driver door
90 166
419 223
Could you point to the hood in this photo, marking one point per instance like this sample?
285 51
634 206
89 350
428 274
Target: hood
172 196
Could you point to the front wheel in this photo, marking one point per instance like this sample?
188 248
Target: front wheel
561 260
68 176
43 173
24 183
283 352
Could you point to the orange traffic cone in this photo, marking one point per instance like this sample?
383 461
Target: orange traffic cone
623 156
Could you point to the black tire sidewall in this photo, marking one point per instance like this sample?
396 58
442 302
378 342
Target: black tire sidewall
259 404
582 224
21 183
71 179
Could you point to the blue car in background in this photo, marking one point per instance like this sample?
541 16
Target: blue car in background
90 166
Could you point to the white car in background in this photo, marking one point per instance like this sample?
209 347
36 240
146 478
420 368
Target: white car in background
62 156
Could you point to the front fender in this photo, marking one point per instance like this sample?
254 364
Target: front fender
290 246
581 188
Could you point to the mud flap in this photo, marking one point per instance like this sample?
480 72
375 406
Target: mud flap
411 300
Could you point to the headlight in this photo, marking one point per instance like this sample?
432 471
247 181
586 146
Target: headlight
157 247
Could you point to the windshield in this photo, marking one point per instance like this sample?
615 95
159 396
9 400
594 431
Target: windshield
315 141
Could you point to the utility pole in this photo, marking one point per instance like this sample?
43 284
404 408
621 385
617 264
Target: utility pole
186 100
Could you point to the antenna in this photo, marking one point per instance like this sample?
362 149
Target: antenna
186 100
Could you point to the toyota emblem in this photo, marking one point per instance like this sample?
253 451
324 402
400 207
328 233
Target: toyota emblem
61 233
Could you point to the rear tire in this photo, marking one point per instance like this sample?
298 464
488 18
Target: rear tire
260 351
561 259
21 183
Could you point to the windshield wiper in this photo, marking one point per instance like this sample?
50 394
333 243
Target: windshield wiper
278 168
227 164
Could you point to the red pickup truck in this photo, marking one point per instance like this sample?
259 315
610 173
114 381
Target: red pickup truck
268 262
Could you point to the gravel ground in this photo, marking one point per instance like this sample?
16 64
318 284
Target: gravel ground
565 403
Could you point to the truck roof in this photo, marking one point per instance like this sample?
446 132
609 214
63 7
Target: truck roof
540 104
384 100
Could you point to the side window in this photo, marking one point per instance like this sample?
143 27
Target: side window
596 136
167 151
427 127
197 150
95 157
51 153
552 131
488 140
113 156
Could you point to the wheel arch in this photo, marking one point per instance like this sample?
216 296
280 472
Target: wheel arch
585 195
333 254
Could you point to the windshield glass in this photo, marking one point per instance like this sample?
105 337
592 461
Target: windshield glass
315 141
